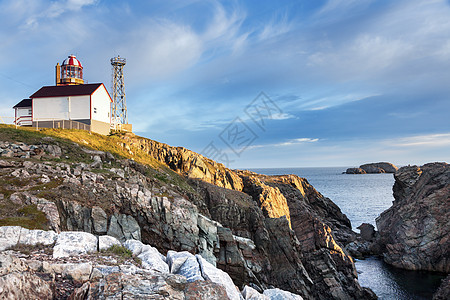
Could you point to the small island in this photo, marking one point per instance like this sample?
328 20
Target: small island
373 168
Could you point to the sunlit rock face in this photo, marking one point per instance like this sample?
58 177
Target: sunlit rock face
415 230
314 247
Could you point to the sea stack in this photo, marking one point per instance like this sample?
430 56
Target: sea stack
373 168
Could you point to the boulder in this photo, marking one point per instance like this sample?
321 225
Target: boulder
251 294
34 237
209 272
414 231
184 263
71 243
151 260
150 256
105 242
277 294
9 236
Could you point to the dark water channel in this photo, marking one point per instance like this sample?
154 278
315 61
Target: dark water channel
362 198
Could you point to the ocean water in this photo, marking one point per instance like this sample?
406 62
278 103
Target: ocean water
362 197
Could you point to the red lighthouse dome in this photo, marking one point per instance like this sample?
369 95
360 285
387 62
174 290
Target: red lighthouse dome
72 60
71 72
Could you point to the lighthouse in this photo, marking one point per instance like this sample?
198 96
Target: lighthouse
70 72
69 104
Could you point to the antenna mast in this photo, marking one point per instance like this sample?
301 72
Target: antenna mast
119 109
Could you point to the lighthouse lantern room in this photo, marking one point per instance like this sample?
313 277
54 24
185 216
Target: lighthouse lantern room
70 72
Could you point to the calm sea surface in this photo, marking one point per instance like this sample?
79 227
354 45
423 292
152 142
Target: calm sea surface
362 198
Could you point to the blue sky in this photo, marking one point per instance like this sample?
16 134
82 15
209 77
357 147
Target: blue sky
349 82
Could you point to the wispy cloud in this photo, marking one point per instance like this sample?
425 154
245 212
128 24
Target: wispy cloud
291 142
429 140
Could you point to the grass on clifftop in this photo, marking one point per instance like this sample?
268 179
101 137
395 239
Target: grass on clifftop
113 144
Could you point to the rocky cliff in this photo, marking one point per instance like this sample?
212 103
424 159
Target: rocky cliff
264 231
415 231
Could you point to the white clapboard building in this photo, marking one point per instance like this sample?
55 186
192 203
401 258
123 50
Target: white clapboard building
68 104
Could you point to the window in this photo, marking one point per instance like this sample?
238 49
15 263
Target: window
29 111
95 110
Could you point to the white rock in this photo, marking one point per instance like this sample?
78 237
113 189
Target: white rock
176 259
151 259
106 241
9 236
134 246
209 272
33 237
250 293
71 243
277 294
184 263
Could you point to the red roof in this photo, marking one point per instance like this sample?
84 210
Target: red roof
66 90
73 61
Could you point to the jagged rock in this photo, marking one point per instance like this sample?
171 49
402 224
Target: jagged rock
251 294
185 264
134 246
106 242
124 227
208 239
71 243
53 150
205 290
24 286
97 162
277 294
209 272
50 210
367 231
34 237
10 264
150 256
443 292
6 164
151 259
16 284
99 220
415 230
137 286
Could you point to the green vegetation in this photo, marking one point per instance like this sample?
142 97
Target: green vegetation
121 254
27 216
119 250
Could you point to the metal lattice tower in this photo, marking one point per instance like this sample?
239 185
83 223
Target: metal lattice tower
119 109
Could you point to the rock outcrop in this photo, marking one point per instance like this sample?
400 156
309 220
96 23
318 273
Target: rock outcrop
91 275
415 231
263 231
373 168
